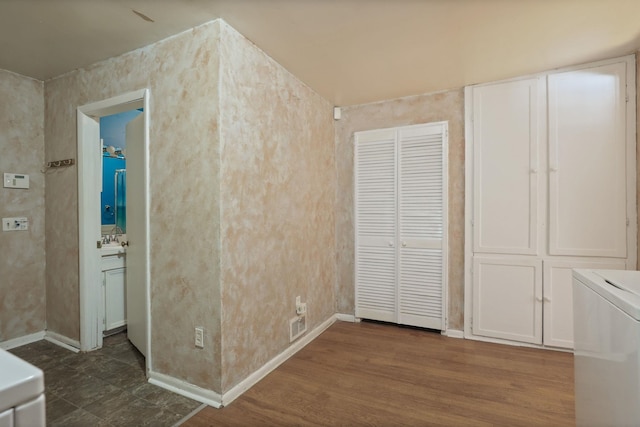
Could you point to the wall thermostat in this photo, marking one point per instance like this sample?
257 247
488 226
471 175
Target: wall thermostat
16 180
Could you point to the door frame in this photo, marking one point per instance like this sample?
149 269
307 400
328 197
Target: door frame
88 199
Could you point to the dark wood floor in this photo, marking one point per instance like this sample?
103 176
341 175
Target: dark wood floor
384 375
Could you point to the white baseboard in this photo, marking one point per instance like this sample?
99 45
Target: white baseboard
453 333
62 341
186 389
20 341
212 398
346 318
252 379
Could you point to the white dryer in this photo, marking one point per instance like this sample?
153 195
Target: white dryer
22 401
606 308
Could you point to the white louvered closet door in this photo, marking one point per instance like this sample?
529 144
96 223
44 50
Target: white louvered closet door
421 218
400 224
375 210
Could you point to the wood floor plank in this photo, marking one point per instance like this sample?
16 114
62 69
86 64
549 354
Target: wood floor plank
379 375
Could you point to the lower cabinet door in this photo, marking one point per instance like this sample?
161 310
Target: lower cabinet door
507 298
115 291
558 297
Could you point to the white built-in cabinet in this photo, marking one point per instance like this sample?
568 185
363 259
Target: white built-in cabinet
114 291
401 224
550 186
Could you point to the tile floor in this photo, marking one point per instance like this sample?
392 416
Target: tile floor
103 388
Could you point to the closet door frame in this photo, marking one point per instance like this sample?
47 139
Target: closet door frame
631 164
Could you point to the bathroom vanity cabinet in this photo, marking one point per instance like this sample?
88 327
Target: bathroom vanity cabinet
114 289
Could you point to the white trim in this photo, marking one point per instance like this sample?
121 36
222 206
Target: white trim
23 340
632 212
186 389
453 333
62 341
468 209
346 317
254 378
214 399
88 256
517 343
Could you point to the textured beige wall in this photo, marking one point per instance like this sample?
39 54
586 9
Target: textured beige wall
277 196
22 264
182 74
443 106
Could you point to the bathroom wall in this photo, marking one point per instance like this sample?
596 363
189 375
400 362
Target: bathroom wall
435 107
277 194
182 75
22 264
113 134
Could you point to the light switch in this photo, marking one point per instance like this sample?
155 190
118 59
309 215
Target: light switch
15 224
16 180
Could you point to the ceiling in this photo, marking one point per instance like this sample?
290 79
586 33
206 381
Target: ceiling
349 51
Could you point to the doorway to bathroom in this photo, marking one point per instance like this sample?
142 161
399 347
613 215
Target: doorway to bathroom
129 231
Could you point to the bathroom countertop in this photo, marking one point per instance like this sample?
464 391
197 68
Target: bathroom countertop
113 249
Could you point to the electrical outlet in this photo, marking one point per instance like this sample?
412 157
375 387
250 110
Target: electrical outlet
199 337
297 327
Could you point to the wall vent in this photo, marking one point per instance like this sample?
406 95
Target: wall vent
297 327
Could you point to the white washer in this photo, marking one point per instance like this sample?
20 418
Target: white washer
606 308
22 401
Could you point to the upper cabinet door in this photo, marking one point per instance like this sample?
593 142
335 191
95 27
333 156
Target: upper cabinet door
506 135
375 224
587 175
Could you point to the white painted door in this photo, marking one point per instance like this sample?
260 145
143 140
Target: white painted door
89 188
558 297
422 200
136 235
587 174
507 298
506 121
375 225
400 224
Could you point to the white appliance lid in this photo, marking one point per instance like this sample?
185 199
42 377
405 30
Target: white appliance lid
627 280
20 381
620 287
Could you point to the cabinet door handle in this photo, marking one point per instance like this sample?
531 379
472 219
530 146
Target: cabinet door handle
390 244
404 244
538 299
546 299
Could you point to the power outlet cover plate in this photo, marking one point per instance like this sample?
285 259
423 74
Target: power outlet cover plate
199 338
15 224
